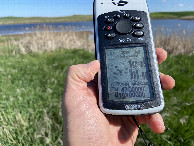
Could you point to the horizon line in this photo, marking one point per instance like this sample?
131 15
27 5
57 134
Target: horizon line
84 14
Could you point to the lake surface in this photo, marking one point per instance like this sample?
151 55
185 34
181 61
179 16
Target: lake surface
166 26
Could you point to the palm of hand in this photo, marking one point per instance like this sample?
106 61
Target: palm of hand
93 127
84 123
119 130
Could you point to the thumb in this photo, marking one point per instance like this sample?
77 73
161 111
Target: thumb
79 75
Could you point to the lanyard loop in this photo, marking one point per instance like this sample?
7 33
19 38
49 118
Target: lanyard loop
144 136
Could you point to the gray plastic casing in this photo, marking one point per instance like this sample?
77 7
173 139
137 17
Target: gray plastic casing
105 6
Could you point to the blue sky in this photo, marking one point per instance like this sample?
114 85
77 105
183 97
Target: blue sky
52 8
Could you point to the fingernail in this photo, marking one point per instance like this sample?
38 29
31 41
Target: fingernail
93 63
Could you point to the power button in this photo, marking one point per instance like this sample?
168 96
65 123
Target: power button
108 28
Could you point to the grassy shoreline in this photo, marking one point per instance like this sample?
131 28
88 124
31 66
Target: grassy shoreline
29 20
188 15
50 40
32 75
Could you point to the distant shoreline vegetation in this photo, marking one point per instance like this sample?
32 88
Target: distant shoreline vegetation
27 20
187 15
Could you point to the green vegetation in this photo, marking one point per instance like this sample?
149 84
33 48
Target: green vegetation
31 88
6 49
179 108
173 15
32 84
25 20
76 18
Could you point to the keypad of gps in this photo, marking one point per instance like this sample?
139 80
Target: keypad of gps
124 25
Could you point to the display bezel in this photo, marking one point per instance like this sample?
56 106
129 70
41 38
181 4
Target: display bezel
120 105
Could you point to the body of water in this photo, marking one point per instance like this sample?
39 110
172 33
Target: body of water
28 28
166 26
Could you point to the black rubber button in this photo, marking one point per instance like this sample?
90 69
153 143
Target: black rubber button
136 19
138 33
127 15
110 35
108 28
123 27
138 26
117 16
109 20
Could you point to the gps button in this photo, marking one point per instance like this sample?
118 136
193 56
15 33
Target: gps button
108 28
123 27
138 33
117 16
138 26
136 19
127 15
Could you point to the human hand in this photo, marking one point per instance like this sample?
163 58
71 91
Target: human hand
84 123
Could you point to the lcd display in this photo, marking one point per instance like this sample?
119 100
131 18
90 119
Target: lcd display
128 74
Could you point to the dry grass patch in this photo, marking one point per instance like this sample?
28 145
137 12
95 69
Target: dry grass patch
188 18
46 39
176 44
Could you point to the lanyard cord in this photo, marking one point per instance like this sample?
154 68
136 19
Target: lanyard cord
143 134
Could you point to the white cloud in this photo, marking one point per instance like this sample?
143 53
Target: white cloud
180 5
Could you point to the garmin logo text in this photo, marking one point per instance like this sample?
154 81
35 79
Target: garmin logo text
119 2
133 107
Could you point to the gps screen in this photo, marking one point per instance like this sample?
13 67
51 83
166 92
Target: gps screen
128 74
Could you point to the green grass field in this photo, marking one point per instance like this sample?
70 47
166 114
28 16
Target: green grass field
178 113
31 88
76 18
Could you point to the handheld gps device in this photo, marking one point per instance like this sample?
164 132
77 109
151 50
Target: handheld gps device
128 81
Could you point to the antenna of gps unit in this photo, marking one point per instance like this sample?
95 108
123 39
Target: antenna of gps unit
143 134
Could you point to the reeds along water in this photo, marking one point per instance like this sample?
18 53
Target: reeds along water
175 43
49 39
